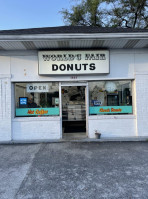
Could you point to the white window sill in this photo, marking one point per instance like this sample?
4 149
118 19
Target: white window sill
26 119
102 117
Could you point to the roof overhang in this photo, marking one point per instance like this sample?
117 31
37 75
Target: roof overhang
74 41
74 36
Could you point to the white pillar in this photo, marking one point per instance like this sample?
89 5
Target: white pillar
142 103
5 108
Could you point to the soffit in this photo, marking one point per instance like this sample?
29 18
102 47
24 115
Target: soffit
75 44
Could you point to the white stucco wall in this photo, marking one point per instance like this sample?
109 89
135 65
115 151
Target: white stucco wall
5 65
23 66
26 68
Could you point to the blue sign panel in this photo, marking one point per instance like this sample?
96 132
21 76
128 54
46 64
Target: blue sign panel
110 110
23 100
37 111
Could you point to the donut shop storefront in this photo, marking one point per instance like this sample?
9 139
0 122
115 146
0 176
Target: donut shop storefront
47 94
76 101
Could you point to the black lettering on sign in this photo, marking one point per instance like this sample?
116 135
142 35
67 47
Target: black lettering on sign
62 57
69 67
95 57
54 67
102 57
65 58
77 67
30 87
73 67
46 57
59 58
78 56
71 57
84 66
92 66
53 57
90 57
62 67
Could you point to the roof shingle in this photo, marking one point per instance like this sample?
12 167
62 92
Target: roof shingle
70 29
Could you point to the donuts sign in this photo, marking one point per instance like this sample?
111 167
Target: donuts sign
73 62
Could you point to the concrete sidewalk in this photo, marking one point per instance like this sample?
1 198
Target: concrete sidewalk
78 139
73 170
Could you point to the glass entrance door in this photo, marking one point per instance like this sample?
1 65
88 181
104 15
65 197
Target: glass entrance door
73 109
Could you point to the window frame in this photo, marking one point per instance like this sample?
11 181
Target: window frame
109 113
36 116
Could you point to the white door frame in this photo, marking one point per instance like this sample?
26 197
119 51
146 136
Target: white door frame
61 84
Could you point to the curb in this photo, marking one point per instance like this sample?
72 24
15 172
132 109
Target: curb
86 140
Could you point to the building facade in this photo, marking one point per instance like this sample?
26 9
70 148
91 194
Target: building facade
94 78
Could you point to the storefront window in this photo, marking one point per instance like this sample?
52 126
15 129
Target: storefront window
110 97
36 99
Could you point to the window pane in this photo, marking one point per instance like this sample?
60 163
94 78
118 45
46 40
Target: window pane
110 97
36 99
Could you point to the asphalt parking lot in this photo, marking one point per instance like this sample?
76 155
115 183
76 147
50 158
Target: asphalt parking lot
74 170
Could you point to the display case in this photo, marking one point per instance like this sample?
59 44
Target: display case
74 112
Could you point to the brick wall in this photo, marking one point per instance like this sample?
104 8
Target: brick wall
142 103
36 128
112 126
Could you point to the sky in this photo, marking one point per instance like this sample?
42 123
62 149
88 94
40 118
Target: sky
19 14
